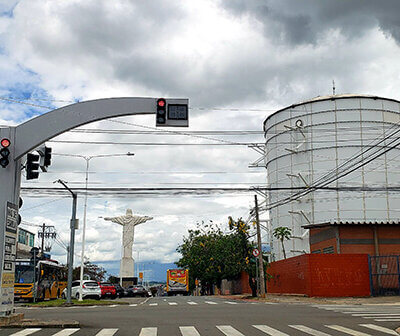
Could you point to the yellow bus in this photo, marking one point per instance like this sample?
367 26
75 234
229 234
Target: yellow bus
50 280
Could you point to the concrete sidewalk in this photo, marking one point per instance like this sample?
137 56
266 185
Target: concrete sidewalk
381 300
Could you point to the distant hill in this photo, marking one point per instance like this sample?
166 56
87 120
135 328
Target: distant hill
154 270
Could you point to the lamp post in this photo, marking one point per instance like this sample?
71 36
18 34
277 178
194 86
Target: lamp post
87 159
72 239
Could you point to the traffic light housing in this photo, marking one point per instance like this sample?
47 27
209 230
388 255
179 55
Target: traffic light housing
4 152
45 158
161 112
32 166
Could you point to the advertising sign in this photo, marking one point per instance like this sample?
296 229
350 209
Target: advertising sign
10 251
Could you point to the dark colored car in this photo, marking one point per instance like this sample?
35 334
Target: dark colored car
108 289
121 292
137 290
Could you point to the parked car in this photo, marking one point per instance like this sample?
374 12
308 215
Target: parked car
108 290
137 290
90 289
121 291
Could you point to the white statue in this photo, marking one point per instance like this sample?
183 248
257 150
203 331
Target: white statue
128 222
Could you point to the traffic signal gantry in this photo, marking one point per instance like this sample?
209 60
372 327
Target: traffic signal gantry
19 141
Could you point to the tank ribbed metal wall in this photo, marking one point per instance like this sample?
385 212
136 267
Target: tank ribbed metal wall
308 140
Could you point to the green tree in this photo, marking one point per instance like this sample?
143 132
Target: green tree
212 255
282 233
94 271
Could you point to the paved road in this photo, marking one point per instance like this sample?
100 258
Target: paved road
209 316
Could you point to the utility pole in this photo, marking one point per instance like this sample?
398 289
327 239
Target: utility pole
46 232
72 240
260 255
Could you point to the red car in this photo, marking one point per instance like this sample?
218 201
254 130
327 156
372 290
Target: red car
108 289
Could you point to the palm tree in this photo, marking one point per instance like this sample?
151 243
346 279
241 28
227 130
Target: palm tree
282 233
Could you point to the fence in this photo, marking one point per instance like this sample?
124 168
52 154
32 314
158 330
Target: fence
384 275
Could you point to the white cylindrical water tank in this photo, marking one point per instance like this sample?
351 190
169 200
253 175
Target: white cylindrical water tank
311 144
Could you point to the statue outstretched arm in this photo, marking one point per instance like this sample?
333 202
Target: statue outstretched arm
113 219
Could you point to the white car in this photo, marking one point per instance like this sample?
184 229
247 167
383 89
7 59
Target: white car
90 289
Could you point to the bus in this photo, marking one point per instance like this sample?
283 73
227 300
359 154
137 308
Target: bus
177 282
50 280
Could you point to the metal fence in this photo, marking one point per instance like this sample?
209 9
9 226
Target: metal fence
384 273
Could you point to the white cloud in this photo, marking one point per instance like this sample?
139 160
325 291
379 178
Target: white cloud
217 54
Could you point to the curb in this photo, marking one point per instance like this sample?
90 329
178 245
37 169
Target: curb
43 324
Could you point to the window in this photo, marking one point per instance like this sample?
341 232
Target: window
316 251
21 236
31 240
328 250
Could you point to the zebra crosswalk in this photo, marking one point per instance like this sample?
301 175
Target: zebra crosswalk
224 330
158 303
378 313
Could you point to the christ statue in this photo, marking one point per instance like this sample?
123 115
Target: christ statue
128 222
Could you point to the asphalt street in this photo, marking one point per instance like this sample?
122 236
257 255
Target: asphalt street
211 316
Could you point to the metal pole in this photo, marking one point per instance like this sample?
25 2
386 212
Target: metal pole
260 256
43 229
71 248
34 276
84 229
72 239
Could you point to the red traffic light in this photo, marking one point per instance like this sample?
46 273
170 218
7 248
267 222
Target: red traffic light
161 102
5 143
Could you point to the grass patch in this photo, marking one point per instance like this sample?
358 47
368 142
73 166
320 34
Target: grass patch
62 302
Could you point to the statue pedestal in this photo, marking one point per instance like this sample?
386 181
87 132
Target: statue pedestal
127 267
127 272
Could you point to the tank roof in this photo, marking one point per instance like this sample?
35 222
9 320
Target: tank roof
331 97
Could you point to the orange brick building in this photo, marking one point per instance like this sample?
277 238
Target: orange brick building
374 238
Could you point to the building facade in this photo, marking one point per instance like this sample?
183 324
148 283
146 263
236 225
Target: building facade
26 240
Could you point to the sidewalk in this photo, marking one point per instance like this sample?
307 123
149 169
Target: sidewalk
381 300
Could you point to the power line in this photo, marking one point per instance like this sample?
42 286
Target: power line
155 143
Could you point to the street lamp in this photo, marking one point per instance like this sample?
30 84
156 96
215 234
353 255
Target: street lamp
72 239
87 159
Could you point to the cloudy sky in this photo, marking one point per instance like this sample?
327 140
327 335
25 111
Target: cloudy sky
236 60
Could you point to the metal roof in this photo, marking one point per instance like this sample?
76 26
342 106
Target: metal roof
310 226
331 97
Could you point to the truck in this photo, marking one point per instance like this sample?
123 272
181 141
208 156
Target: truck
177 282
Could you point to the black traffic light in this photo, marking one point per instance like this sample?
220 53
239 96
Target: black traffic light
4 152
32 166
47 156
161 114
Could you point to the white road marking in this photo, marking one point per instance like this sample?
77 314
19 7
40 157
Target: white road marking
347 330
387 320
376 314
229 331
106 332
210 302
91 307
192 303
66 332
172 303
153 304
24 332
270 331
308 330
379 328
189 331
230 302
148 332
133 305
270 302
112 306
